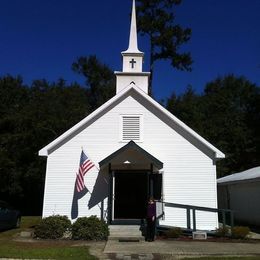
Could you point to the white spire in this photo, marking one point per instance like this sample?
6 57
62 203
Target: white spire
133 47
132 72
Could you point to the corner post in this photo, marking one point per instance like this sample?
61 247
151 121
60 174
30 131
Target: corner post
151 181
194 219
110 188
188 218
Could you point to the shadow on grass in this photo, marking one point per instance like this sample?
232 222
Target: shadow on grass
27 223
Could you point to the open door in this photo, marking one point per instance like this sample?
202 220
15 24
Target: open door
156 180
156 185
130 195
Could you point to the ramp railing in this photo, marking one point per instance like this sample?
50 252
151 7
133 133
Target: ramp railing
192 209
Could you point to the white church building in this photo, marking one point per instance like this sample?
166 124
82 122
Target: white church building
140 150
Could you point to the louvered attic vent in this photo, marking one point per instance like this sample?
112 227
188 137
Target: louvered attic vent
131 128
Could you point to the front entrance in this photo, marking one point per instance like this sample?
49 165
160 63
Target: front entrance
130 194
134 176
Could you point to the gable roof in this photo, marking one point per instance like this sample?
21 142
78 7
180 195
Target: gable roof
126 91
132 145
248 175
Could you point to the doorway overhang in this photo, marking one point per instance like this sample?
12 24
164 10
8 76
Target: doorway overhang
131 156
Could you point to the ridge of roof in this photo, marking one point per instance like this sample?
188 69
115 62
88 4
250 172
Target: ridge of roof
253 173
45 150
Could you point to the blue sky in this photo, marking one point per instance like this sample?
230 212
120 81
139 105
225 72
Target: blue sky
41 39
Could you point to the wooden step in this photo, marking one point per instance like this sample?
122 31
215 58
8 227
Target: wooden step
125 233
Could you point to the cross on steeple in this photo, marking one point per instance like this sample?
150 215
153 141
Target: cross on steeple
132 62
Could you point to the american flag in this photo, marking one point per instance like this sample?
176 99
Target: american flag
85 165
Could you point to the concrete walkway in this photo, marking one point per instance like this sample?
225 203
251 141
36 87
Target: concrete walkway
178 249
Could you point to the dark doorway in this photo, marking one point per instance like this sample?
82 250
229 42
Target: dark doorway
131 192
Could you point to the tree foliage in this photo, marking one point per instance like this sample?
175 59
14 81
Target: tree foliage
31 117
156 19
100 79
228 115
34 115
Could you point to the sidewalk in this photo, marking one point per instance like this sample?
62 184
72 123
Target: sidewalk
179 249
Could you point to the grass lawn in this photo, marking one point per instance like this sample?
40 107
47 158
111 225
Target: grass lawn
39 249
224 258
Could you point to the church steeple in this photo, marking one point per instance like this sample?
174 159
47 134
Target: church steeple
133 45
132 62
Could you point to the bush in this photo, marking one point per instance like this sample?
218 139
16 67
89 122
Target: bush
240 232
222 232
52 227
173 232
90 228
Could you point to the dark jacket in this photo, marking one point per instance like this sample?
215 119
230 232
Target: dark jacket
151 210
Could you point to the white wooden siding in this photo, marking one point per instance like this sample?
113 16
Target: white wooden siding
189 174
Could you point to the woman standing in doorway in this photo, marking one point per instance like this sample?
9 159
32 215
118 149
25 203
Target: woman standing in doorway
151 220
